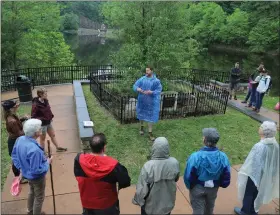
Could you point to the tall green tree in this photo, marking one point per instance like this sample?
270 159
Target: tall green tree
31 36
207 30
236 29
13 28
153 32
264 36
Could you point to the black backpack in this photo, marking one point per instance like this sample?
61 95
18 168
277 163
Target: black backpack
270 84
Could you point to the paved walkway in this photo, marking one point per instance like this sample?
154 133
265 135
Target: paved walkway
65 185
264 113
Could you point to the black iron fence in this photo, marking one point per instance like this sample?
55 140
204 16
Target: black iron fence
106 73
53 75
186 94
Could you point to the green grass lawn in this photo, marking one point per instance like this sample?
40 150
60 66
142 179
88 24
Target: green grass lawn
5 158
238 134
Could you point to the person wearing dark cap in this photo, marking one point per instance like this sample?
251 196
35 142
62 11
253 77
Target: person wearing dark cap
206 171
14 128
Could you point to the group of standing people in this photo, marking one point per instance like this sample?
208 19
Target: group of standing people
206 171
29 159
100 177
259 84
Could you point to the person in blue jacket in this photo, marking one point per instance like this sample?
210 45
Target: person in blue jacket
206 171
29 157
148 105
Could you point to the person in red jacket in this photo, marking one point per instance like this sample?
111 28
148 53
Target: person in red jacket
97 176
41 110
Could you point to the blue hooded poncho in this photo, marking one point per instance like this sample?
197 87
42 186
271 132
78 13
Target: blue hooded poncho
148 106
209 163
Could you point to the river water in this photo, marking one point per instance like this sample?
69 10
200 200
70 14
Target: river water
94 50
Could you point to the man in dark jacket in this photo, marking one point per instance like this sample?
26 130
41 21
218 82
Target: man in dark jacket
234 80
97 176
206 171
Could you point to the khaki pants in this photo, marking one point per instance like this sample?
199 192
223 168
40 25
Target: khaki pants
36 195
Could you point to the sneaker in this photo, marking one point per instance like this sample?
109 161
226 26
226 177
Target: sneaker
257 110
60 149
23 181
244 102
141 132
238 211
151 136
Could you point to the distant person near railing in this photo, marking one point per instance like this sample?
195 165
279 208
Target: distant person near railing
234 80
262 89
253 84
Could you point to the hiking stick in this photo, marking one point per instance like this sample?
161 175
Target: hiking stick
49 150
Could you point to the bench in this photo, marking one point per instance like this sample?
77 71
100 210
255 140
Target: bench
82 114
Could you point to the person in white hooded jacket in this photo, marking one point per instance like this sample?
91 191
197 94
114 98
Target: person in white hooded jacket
264 81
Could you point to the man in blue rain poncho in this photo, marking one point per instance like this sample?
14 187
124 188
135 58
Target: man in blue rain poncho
148 106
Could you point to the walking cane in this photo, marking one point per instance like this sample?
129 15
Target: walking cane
54 209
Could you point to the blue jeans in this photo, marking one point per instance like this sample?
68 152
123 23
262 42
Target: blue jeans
248 94
253 97
259 99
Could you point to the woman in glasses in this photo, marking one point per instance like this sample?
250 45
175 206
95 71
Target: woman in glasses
14 127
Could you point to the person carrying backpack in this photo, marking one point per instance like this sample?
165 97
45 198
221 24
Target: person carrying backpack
252 87
263 87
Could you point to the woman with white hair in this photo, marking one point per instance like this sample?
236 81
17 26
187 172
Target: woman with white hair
258 178
29 157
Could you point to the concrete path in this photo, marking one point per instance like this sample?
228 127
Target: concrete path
65 185
264 114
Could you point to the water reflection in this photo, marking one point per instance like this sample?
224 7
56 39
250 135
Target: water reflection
91 49
94 50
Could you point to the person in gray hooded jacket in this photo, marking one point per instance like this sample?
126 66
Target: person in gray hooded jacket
156 188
